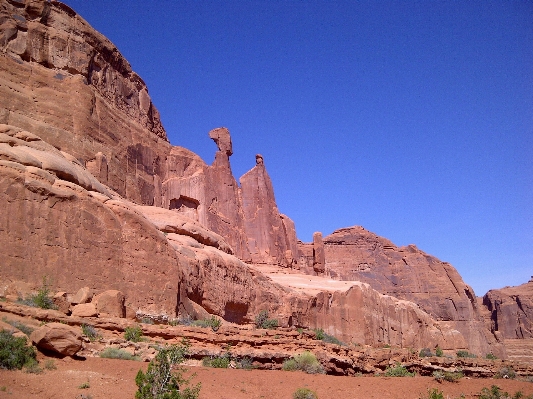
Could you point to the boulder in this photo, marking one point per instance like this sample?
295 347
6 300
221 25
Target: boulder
60 300
110 304
84 310
83 295
57 337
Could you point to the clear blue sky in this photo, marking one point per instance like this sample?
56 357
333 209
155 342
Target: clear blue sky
413 119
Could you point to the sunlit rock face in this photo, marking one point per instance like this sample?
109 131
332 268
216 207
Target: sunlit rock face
84 161
511 311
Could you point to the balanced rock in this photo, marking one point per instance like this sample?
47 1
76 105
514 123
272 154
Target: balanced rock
57 337
110 304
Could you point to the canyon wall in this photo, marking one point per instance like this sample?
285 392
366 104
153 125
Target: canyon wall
70 104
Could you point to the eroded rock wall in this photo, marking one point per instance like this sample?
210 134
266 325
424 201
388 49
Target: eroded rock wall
271 237
511 311
67 83
58 222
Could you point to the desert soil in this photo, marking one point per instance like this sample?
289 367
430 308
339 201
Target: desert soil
109 378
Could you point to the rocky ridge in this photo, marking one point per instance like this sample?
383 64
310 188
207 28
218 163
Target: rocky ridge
172 233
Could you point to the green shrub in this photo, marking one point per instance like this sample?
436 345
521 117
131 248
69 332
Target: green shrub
493 393
115 353
14 354
218 362
41 299
439 352
305 361
319 334
505 372
426 352
304 393
330 339
90 332
490 356
465 354
453 376
398 371
146 320
262 321
85 385
213 322
433 394
133 334
18 325
164 377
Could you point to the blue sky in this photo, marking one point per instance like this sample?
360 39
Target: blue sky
413 119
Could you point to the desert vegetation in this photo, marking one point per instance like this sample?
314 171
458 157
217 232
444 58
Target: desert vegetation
164 377
262 320
305 361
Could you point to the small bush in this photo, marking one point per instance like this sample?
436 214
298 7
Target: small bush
305 361
398 371
319 334
146 320
426 352
164 377
213 322
115 353
245 363
506 372
304 393
433 394
465 354
490 356
453 376
493 393
262 321
14 354
41 299
90 332
85 385
18 325
330 339
439 352
218 362
49 364
33 367
133 334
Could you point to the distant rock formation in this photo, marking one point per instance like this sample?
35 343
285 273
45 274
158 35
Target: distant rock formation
511 311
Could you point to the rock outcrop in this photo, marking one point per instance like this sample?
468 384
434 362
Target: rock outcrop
405 273
57 337
270 237
511 311
94 195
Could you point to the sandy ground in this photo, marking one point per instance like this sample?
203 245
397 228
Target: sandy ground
108 378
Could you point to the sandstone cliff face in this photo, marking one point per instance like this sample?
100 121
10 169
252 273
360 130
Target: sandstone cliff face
271 238
406 273
511 311
58 221
50 58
